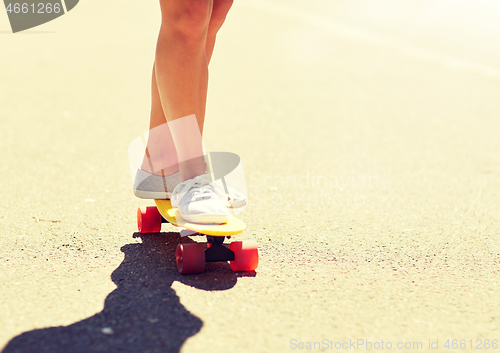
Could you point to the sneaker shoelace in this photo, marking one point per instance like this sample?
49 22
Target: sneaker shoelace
205 188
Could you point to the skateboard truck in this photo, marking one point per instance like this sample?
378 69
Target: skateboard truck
217 251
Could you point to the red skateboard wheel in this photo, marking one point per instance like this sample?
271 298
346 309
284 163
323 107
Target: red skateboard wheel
246 255
190 258
148 220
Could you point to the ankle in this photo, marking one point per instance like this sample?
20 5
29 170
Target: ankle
162 172
192 168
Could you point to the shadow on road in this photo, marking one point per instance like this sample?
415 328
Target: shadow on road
143 314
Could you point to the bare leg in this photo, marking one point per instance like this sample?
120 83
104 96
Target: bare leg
160 140
180 74
219 13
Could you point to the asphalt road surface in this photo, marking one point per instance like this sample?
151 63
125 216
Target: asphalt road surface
369 135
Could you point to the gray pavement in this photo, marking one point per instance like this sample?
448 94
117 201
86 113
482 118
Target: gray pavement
369 137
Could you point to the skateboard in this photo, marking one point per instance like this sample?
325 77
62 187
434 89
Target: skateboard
191 257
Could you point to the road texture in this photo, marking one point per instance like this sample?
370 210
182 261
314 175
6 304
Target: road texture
368 132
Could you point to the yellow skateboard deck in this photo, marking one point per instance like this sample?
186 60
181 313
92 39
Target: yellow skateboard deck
231 227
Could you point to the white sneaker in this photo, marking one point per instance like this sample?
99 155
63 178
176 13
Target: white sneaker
152 186
201 200
235 198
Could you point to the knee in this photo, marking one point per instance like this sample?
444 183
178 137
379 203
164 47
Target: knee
187 22
219 13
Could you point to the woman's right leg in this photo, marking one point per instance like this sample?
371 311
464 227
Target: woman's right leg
161 155
182 78
168 153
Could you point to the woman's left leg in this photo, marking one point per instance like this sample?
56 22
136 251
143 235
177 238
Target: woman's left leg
220 10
